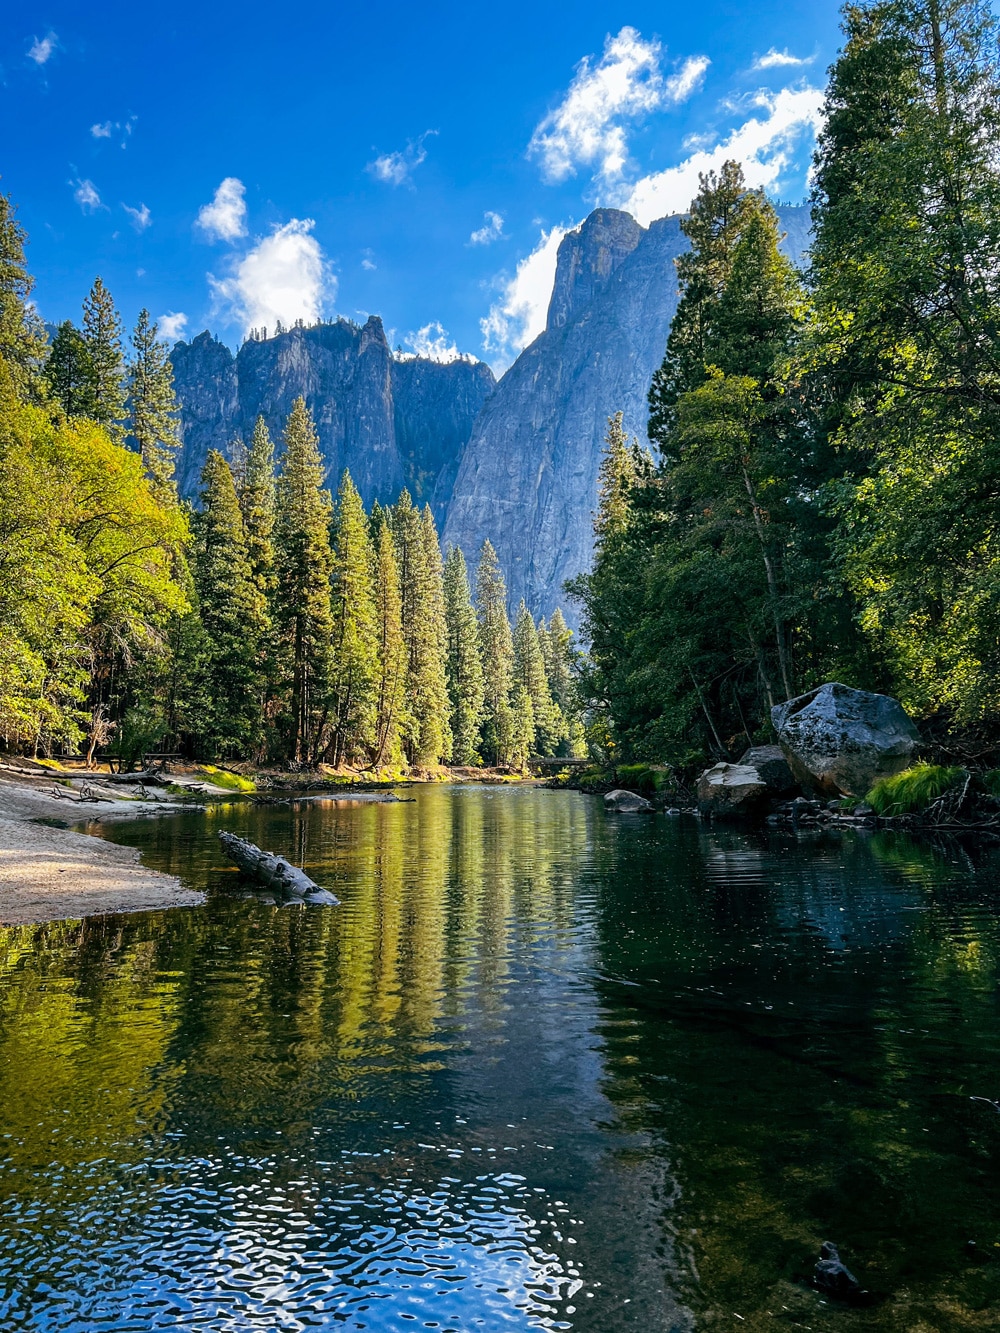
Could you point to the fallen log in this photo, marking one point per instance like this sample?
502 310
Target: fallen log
147 776
274 871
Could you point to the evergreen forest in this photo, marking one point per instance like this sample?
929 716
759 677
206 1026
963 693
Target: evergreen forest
272 622
822 500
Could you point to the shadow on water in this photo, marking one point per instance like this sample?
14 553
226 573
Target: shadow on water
541 1069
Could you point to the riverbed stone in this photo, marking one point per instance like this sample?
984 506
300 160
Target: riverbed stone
729 791
772 766
626 802
839 740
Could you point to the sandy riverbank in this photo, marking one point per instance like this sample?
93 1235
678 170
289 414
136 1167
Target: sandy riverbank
51 874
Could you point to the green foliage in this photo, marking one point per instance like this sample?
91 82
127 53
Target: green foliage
354 676
231 613
913 790
496 651
991 781
222 777
303 564
152 407
102 333
69 372
465 668
391 718
22 340
548 724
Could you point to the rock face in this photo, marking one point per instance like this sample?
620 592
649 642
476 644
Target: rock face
393 422
840 741
731 791
528 477
626 802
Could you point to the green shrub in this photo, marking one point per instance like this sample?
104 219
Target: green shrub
914 789
223 778
991 781
644 779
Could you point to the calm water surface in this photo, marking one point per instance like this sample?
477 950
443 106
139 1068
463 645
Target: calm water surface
543 1069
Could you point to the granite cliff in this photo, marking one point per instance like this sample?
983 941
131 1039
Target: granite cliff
393 422
528 476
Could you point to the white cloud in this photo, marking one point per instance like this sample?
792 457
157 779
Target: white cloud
397 168
224 219
688 79
86 196
170 327
763 145
141 216
491 230
102 131
42 47
432 342
284 277
587 127
780 59
519 316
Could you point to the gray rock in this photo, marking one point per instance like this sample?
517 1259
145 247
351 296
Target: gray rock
833 1277
528 476
626 802
771 764
838 739
729 791
393 421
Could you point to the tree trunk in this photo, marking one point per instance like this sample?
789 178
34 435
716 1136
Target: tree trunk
274 871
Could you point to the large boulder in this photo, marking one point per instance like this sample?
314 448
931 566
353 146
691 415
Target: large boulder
840 741
626 802
771 764
731 791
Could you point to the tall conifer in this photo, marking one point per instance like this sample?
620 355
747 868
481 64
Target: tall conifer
391 721
102 332
435 705
69 372
304 561
354 659
22 341
496 649
465 669
152 405
529 671
231 612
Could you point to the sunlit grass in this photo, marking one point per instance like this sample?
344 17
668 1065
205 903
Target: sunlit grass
222 777
914 789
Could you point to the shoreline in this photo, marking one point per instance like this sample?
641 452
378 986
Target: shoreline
50 873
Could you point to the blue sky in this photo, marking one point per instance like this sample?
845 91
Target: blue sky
229 165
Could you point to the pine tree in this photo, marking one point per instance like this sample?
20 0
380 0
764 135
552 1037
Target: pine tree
522 731
391 720
102 332
257 504
420 579
529 671
303 563
22 341
231 613
152 405
354 681
713 226
620 468
465 669
69 372
561 664
496 651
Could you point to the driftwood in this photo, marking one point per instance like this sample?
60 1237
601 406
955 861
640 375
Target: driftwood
147 776
274 871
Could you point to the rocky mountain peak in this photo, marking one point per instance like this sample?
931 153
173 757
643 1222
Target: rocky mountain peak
586 260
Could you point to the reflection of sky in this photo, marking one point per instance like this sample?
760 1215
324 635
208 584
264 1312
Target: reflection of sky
224 1246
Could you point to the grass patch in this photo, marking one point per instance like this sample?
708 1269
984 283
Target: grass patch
913 790
222 777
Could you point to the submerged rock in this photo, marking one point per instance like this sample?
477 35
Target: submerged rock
730 791
833 1277
841 740
626 802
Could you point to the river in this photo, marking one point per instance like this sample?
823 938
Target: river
543 1069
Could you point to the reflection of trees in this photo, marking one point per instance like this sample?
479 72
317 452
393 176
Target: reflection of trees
810 1023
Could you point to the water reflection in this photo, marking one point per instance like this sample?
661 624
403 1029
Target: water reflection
542 1069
